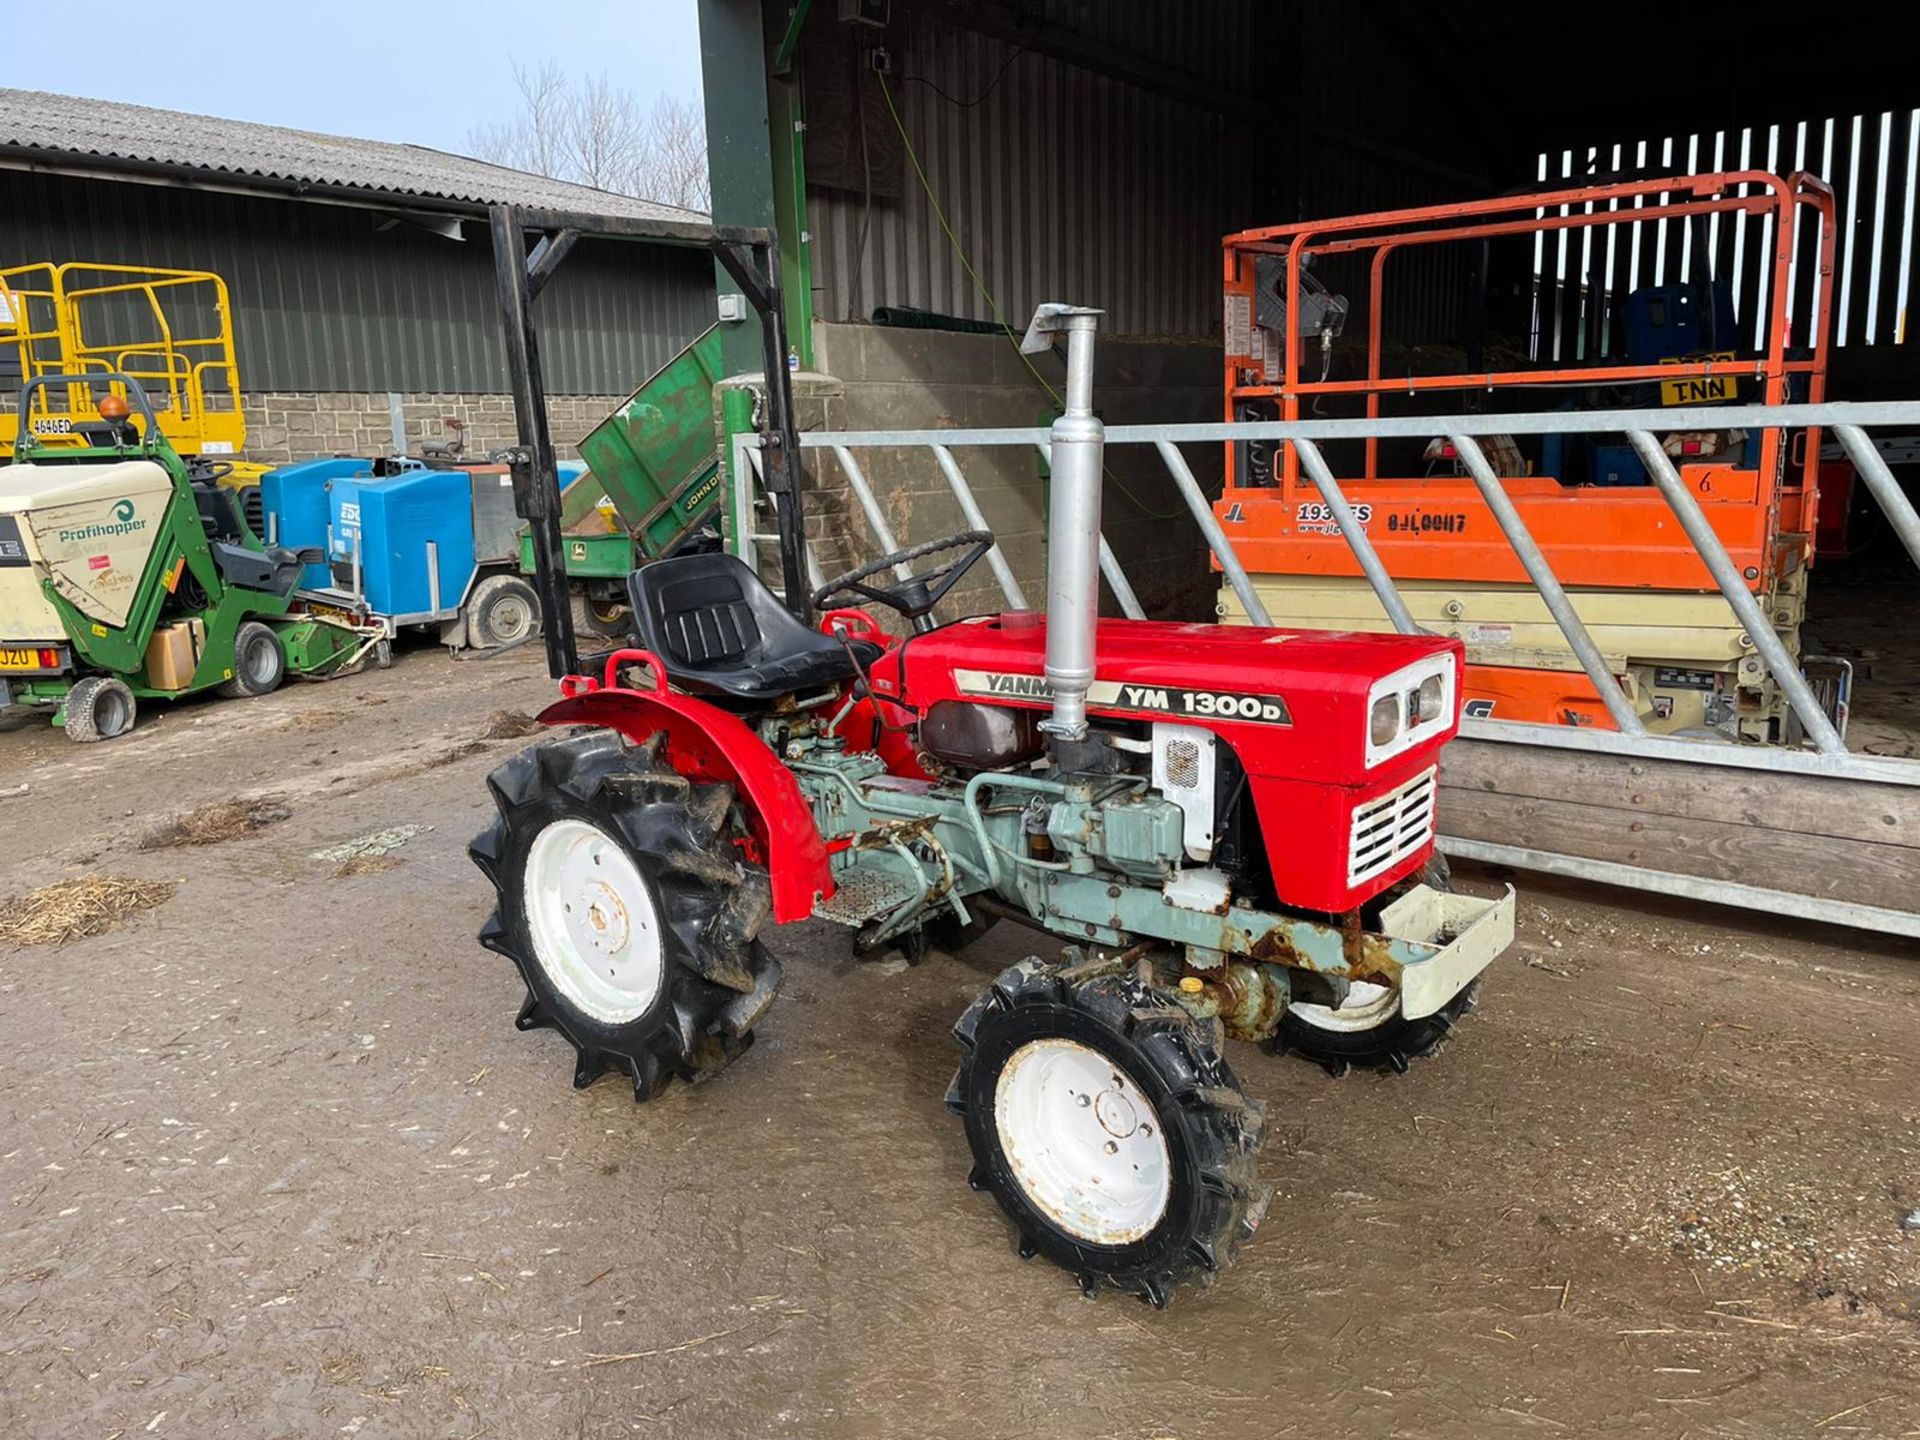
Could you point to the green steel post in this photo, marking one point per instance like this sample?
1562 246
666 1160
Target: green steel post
746 181
783 57
736 418
789 132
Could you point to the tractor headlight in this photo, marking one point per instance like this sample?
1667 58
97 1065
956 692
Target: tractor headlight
1432 698
1384 722
1411 707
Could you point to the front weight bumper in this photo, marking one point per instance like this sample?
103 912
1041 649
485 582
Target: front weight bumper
1443 941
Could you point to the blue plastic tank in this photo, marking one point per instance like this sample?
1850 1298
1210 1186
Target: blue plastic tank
296 497
394 519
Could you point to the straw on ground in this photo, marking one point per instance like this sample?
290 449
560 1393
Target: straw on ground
74 909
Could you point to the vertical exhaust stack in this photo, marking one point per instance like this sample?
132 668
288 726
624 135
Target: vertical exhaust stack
1073 532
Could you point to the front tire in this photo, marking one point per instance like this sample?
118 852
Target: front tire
100 707
1367 1029
627 911
1107 1126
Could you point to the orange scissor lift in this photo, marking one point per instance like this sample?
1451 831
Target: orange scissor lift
1632 575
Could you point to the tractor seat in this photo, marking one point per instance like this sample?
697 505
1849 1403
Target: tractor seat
720 631
220 514
274 570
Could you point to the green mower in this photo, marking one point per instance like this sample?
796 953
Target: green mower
128 573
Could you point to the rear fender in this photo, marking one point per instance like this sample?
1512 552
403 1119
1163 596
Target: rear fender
709 744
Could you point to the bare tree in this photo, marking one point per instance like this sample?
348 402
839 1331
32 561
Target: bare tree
593 132
672 165
531 140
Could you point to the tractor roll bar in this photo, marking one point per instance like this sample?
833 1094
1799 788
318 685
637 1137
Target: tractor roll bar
751 257
89 381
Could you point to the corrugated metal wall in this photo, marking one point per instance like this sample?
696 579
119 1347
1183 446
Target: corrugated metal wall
1382 131
1062 184
1059 184
325 300
1872 162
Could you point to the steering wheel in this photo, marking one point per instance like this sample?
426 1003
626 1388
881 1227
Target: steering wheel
915 595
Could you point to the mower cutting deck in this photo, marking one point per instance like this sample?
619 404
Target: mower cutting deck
1229 828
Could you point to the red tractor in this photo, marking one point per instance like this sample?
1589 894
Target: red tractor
1231 828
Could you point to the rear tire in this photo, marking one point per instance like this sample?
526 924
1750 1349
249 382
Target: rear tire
100 707
504 611
259 664
1113 1135
627 910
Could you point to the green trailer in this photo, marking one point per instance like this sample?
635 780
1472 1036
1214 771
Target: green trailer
652 486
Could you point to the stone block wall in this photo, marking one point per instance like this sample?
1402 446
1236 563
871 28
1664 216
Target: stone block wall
286 426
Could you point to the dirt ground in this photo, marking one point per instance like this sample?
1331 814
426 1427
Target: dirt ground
275 1161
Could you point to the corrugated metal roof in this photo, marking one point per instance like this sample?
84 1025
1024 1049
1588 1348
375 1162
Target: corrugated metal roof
36 124
336 298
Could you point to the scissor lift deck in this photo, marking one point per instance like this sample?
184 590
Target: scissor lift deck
171 330
1630 571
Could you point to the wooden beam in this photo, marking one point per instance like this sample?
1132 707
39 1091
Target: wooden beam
1839 839
1744 854
1841 809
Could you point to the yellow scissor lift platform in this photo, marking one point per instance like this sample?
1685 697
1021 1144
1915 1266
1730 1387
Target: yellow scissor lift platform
171 330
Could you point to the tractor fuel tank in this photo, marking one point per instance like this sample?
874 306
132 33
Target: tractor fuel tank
980 737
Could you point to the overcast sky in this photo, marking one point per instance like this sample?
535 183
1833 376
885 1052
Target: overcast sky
384 71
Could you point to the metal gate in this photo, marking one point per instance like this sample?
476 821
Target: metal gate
1814 832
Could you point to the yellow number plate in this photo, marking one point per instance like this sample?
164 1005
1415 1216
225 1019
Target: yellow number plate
1699 390
19 659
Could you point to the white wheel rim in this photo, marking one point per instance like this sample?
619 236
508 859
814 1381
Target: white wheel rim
510 618
595 927
1366 1007
261 659
110 712
1083 1141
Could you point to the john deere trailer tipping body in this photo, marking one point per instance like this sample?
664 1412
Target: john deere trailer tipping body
652 480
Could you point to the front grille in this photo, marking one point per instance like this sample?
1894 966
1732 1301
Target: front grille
1387 830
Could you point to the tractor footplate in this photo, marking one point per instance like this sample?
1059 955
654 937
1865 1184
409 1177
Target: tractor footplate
863 892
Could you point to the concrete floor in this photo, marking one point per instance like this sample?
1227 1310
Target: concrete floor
275 1162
